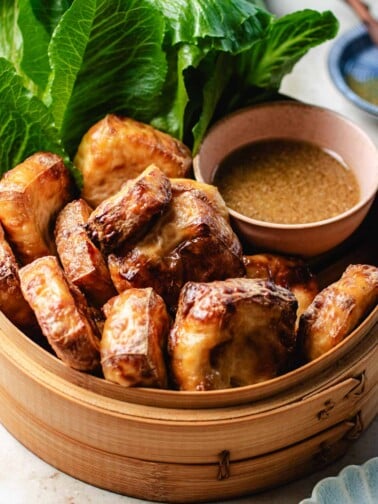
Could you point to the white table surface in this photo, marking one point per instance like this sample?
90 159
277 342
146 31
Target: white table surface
24 478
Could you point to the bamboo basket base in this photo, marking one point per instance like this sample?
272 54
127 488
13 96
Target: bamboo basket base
223 452
186 483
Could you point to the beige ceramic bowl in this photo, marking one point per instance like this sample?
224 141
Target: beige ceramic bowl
294 120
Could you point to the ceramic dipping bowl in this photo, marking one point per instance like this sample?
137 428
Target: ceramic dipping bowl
294 120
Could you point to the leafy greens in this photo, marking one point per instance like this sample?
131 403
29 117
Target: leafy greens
177 64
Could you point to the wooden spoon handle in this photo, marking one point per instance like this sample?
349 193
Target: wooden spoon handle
363 12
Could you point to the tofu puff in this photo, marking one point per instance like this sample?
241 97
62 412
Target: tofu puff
12 301
31 195
117 149
82 261
289 272
191 241
128 213
134 339
62 313
231 333
337 310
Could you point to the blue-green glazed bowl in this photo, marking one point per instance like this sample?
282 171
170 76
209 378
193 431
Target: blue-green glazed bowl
353 55
354 485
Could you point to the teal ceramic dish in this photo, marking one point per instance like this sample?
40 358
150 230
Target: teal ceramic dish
353 61
354 485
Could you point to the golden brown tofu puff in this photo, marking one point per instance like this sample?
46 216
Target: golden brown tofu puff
117 149
62 313
31 195
133 345
128 213
231 333
12 301
191 241
337 310
82 261
289 272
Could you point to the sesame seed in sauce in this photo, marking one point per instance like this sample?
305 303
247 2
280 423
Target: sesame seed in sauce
286 181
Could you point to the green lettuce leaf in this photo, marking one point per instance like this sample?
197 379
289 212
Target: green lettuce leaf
106 56
213 24
258 71
198 34
26 124
235 51
177 64
174 100
213 89
287 40
66 52
11 41
35 61
49 12
25 31
260 3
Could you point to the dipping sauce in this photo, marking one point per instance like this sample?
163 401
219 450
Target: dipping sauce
368 90
286 181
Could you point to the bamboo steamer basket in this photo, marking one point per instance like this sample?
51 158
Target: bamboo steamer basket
170 446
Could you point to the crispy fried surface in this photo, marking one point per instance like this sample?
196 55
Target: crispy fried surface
117 149
231 333
12 302
62 313
337 310
31 195
289 272
126 214
82 261
134 339
192 240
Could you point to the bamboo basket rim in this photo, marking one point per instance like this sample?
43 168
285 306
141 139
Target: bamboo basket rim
91 401
159 398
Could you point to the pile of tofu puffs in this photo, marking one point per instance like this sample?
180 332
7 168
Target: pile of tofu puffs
139 277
